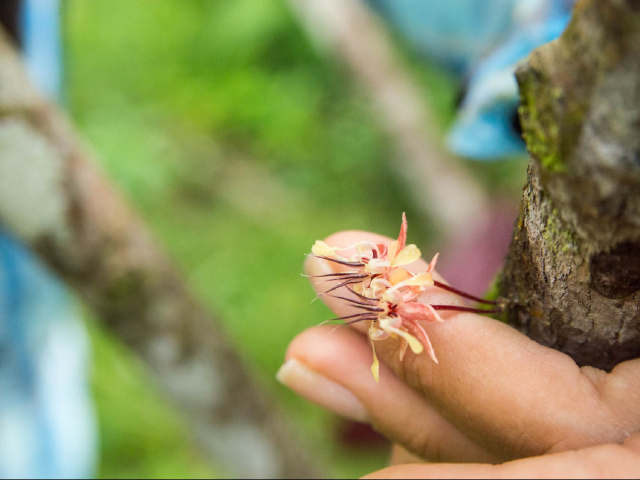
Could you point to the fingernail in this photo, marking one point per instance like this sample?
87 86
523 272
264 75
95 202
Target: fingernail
321 391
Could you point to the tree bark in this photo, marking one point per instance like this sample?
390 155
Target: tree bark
572 278
53 198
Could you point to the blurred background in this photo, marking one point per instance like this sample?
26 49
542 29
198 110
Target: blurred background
241 139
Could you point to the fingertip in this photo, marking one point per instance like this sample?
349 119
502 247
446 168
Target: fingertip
328 347
321 390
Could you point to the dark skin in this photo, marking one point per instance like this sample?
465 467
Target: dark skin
496 399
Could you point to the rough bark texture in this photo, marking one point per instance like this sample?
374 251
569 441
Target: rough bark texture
54 199
572 278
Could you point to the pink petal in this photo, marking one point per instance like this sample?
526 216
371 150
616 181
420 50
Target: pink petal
382 249
421 335
402 238
411 294
418 311
432 265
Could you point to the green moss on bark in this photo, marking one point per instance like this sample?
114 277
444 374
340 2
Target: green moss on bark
540 130
556 235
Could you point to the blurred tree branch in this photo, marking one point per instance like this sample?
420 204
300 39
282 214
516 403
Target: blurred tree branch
443 190
53 197
573 273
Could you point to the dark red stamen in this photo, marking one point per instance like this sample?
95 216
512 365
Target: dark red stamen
355 302
367 299
370 309
455 308
361 320
352 276
351 281
337 274
354 316
463 294
341 262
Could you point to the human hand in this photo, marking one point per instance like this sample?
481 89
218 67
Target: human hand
495 395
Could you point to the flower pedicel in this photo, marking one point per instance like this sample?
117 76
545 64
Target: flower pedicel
386 292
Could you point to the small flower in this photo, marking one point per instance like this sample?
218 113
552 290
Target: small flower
377 263
385 292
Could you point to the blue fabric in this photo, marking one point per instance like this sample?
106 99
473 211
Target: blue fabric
42 44
47 424
455 32
483 41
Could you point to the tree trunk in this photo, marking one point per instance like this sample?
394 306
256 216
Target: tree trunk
53 198
572 278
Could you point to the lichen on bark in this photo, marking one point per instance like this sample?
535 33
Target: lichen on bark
572 278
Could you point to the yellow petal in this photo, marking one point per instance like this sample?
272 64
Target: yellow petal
392 295
323 250
424 279
398 275
375 367
408 254
414 344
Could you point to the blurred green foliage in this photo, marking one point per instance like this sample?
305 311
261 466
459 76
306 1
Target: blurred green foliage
240 146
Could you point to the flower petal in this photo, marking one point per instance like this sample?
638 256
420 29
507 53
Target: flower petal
408 254
424 338
323 250
432 265
419 311
424 279
377 334
397 275
402 238
414 344
377 266
392 295
375 367
364 246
